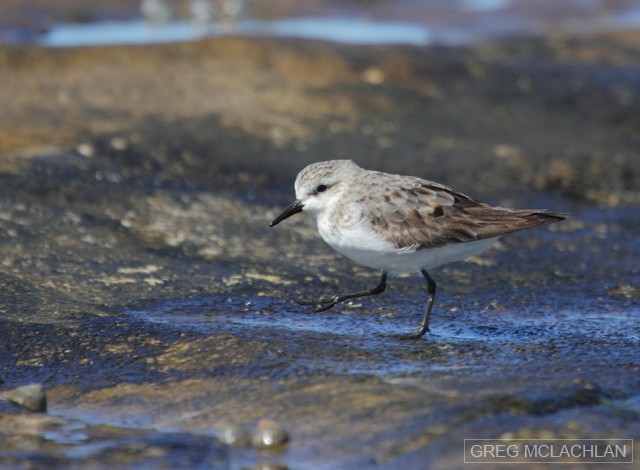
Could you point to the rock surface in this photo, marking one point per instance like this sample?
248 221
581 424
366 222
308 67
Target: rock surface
31 397
141 284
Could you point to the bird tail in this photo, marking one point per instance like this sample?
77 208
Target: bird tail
495 221
544 217
533 218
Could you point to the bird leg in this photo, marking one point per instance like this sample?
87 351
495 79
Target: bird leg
328 302
424 327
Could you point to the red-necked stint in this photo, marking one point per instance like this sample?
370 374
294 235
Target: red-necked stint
399 223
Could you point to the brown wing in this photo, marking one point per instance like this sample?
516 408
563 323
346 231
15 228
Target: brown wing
411 212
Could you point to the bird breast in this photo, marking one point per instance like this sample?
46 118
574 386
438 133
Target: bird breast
347 229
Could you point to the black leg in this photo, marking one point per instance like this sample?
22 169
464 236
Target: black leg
424 327
325 304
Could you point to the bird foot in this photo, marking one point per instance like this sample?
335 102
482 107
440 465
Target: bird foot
320 305
410 336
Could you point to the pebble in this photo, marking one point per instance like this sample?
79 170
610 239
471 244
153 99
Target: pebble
234 435
30 397
86 150
269 434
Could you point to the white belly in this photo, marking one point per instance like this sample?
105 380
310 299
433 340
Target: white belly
366 247
412 261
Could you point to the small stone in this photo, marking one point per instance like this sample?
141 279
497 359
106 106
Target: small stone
119 143
234 435
269 434
373 76
86 149
31 397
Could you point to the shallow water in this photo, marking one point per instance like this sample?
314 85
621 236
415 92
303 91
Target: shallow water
372 323
464 21
345 30
210 314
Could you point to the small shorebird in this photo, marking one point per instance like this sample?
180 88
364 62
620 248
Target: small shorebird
399 223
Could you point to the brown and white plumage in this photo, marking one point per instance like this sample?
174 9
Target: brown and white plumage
400 223
411 211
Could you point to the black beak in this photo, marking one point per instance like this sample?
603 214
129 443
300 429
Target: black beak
295 207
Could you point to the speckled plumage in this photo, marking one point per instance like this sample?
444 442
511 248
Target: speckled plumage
400 223
401 215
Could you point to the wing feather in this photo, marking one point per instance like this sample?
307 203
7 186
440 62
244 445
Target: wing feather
416 213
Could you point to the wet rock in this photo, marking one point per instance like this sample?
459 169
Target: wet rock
31 440
269 466
31 397
234 435
139 276
31 425
471 117
269 435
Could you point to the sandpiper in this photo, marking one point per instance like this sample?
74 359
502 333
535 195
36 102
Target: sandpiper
399 223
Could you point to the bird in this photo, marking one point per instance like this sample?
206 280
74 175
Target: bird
397 223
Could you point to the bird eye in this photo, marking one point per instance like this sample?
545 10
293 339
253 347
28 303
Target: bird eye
322 188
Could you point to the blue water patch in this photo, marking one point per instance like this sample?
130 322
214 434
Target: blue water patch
484 5
459 341
118 33
626 19
344 30
526 325
216 313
